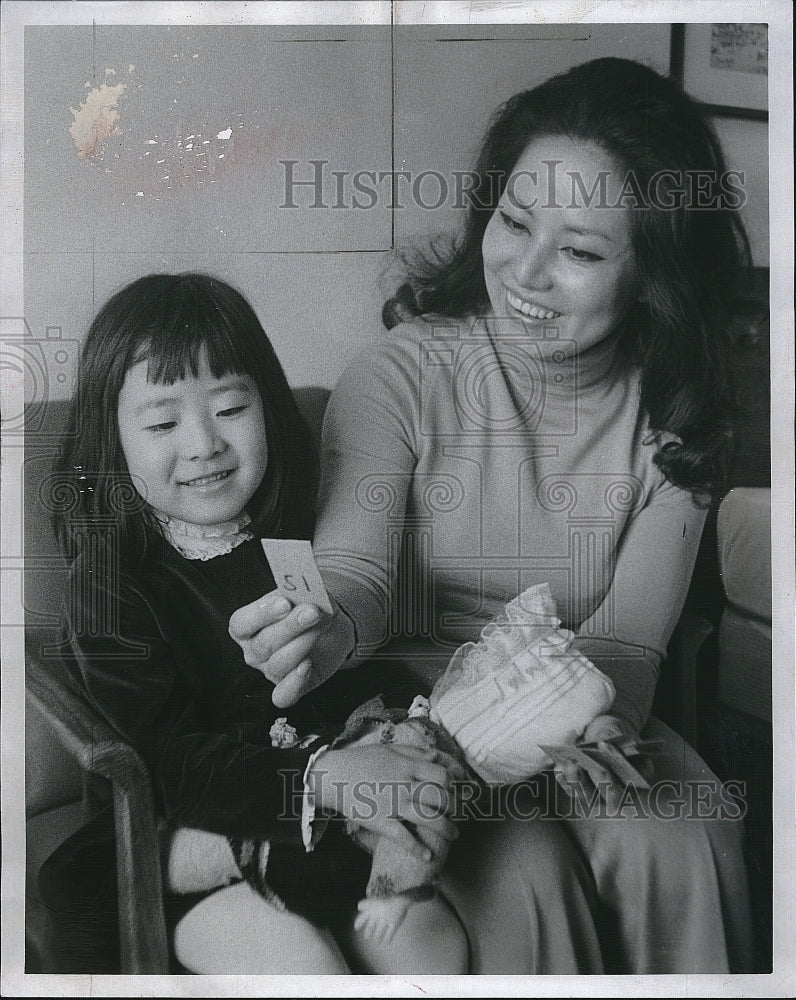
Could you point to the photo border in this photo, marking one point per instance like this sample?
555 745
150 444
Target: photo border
13 16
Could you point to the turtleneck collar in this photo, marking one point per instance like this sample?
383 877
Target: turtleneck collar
568 371
204 541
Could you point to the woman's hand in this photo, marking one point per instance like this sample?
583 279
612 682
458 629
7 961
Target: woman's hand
609 727
582 777
382 787
277 638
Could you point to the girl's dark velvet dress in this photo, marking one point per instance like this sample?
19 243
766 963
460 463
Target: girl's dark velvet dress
168 676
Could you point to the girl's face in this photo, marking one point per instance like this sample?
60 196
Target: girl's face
558 256
196 449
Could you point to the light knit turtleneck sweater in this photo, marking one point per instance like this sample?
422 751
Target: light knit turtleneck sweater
496 471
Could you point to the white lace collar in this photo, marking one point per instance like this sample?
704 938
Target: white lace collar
204 541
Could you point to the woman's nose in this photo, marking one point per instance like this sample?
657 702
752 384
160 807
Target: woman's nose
201 439
533 266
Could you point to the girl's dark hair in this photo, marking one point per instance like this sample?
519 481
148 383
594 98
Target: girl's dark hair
690 249
168 320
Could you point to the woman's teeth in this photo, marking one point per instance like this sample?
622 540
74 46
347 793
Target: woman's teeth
534 312
206 480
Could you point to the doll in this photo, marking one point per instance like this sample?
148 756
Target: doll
399 878
519 690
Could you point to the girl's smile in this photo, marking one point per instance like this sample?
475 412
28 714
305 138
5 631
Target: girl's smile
566 264
196 449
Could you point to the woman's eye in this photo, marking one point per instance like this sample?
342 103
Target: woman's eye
512 224
232 411
165 426
582 255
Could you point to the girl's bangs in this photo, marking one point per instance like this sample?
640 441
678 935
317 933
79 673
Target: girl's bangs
175 345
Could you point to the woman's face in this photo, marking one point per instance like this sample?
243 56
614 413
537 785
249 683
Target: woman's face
558 256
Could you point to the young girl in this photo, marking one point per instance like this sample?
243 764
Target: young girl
182 397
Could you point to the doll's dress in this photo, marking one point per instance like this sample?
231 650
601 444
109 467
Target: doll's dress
519 688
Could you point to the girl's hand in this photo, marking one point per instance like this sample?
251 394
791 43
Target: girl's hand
277 638
382 787
585 778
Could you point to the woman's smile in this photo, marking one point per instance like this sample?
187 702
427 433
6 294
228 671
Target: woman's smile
569 265
530 309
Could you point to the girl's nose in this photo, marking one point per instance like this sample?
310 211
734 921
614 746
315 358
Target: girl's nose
533 266
201 439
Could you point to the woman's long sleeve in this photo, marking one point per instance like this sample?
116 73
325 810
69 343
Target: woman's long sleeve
627 636
368 460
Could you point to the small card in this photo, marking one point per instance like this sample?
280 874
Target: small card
295 572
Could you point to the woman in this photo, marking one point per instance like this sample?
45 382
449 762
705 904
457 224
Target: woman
555 409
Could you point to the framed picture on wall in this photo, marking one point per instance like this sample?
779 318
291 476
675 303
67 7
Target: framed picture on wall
725 65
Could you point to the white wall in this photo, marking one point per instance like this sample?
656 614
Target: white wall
198 120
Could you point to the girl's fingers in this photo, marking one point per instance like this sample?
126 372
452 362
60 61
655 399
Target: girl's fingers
297 683
429 769
444 827
427 805
433 797
262 638
247 621
286 658
398 833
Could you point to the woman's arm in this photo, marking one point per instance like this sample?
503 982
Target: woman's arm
368 461
369 427
627 635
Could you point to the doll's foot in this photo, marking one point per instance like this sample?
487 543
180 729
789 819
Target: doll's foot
379 919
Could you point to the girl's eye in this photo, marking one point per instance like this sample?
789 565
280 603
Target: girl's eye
512 224
232 411
582 255
165 426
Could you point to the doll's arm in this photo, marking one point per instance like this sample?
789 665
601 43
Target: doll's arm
398 878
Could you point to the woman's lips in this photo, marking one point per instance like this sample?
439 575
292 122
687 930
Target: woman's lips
530 309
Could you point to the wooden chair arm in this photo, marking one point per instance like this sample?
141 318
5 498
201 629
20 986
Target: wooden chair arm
99 750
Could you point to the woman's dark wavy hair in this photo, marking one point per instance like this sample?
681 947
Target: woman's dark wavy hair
169 320
689 260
